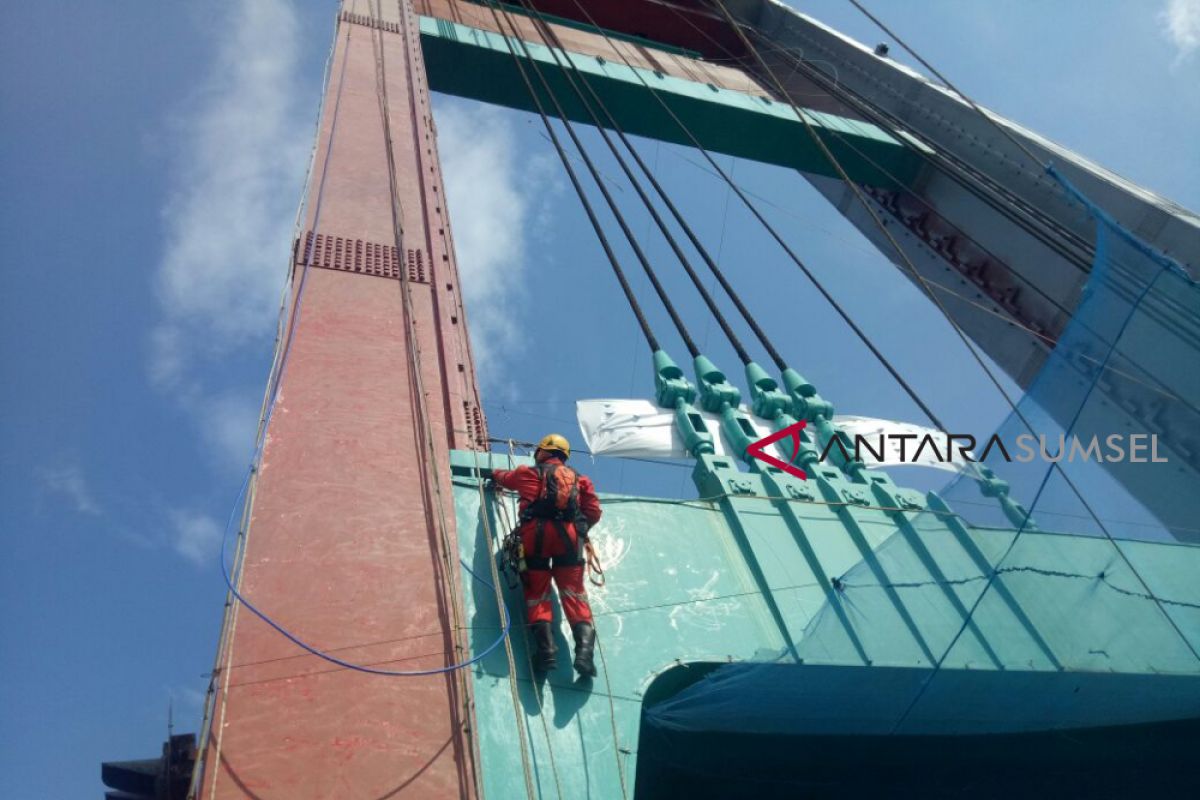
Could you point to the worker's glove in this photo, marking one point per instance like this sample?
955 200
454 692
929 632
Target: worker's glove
490 485
582 526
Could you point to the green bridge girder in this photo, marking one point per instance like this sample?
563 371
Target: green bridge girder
824 614
473 63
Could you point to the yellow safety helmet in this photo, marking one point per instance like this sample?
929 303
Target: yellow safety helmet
556 441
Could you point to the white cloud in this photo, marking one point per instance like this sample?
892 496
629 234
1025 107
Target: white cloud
243 143
492 212
70 484
229 421
196 536
1180 21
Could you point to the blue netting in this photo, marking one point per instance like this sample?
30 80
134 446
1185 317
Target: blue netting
1124 373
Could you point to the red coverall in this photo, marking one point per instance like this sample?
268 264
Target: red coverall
561 559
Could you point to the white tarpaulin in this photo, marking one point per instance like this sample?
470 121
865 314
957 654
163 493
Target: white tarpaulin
640 429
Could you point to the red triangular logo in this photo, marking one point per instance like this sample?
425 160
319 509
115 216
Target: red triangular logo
758 449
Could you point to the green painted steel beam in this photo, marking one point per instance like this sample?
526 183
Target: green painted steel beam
473 63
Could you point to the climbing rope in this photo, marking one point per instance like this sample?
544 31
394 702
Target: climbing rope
296 640
518 711
612 716
594 569
509 524
599 647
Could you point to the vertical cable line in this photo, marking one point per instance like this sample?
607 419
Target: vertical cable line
445 579
513 687
641 256
511 524
753 209
554 44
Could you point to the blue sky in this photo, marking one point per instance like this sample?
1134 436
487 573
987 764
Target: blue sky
151 165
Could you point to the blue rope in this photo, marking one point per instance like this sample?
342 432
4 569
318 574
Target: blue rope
274 382
296 640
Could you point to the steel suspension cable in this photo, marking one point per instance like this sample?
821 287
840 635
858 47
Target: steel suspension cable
949 85
753 209
554 44
840 92
821 79
891 125
596 176
1022 213
833 161
634 305
1067 244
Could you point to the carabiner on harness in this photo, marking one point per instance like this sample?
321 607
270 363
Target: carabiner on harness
513 557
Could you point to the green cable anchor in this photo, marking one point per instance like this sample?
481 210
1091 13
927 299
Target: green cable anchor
818 412
675 392
991 486
772 403
719 396
716 391
767 401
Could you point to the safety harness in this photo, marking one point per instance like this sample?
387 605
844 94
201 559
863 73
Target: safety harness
557 503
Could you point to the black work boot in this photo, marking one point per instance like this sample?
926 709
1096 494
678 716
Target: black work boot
543 640
585 643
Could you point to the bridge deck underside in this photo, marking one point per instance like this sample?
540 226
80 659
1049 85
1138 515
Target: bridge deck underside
725 111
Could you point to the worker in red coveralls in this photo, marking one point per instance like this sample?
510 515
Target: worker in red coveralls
557 506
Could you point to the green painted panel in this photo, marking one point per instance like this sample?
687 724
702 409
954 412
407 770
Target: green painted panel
474 63
863 594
